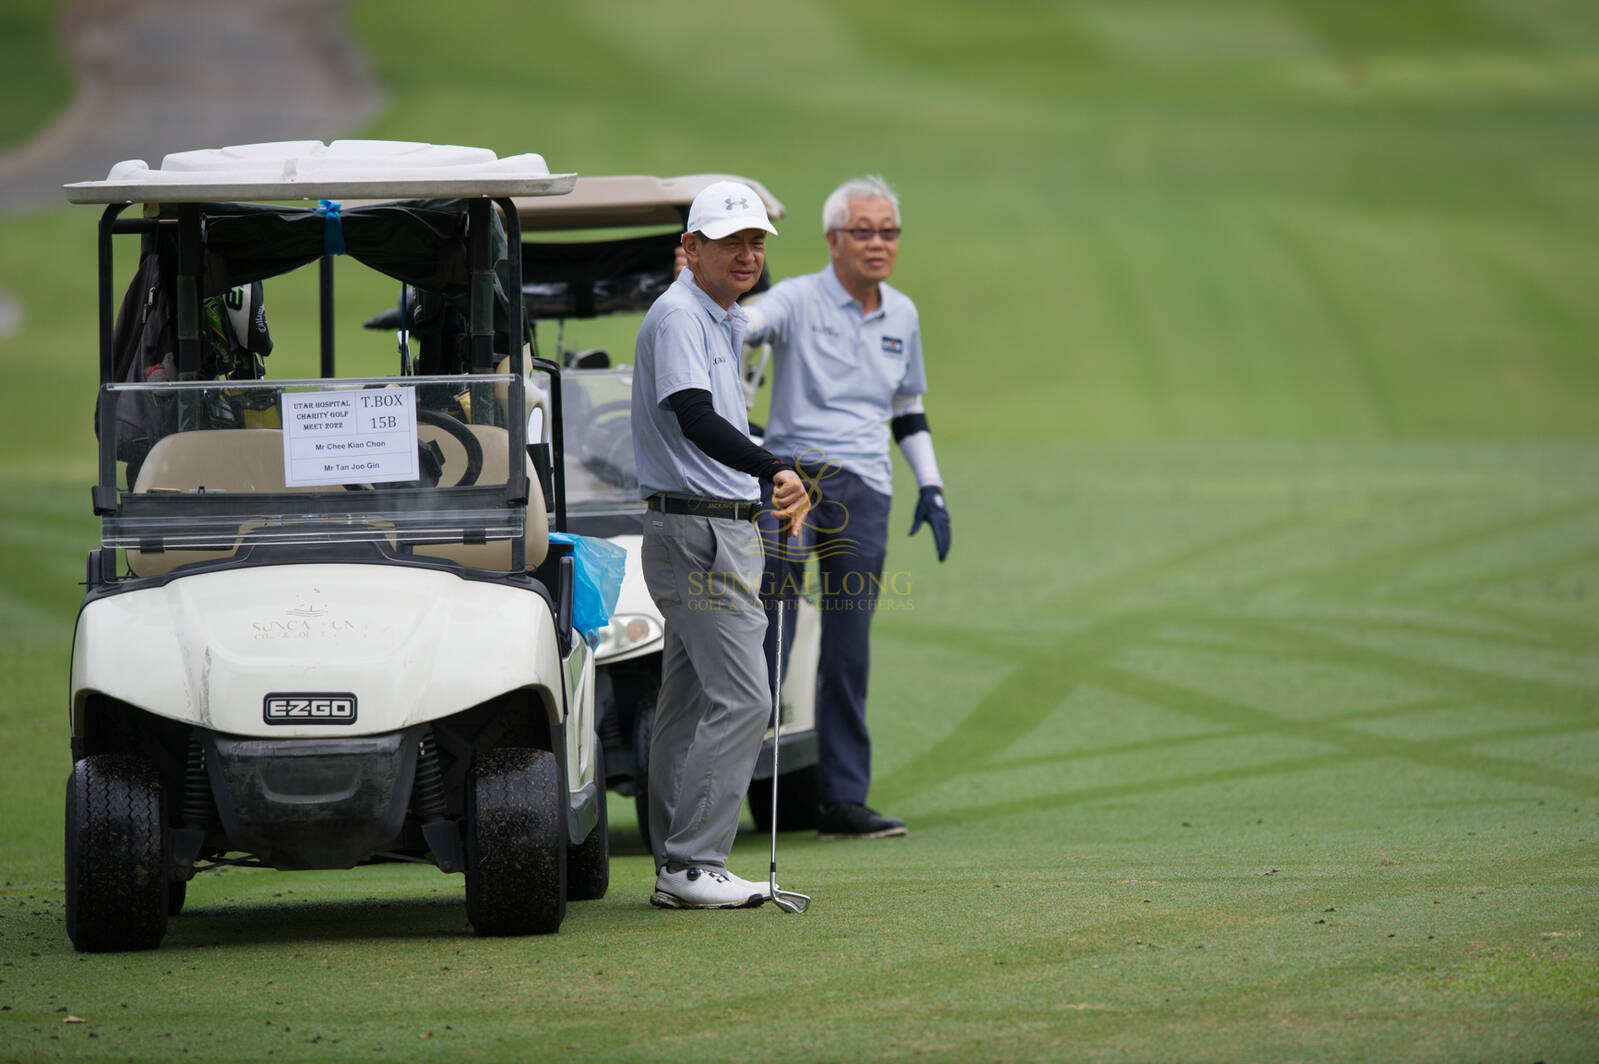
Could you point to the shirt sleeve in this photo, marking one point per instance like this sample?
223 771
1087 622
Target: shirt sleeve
915 380
680 360
720 439
772 314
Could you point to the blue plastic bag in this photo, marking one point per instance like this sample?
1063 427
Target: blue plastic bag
599 566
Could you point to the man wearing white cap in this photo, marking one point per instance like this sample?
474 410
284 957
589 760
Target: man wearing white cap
847 373
701 475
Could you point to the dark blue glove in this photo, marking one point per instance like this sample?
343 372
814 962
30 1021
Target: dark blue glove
930 508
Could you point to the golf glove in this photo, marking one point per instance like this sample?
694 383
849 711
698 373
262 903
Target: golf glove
930 508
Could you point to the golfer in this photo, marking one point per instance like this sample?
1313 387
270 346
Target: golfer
701 474
847 370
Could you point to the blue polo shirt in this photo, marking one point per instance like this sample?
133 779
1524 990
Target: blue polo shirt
687 341
835 373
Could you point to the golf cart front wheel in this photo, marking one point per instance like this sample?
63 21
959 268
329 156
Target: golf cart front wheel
116 855
515 843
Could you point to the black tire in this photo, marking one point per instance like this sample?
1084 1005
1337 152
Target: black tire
643 721
116 855
798 793
588 865
515 843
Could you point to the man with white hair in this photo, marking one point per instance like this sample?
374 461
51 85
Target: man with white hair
701 556
847 372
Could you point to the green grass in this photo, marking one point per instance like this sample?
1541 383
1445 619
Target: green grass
36 78
1254 714
1259 751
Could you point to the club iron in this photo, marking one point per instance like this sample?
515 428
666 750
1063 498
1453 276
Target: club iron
788 900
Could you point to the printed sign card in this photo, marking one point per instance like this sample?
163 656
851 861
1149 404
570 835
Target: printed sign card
365 436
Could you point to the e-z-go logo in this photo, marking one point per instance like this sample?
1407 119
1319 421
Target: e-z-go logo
282 708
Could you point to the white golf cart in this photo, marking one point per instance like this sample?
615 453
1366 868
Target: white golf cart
326 625
606 250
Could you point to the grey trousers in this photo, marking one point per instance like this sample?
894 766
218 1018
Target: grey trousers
704 574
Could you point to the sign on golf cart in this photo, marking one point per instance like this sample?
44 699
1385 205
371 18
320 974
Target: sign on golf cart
617 261
339 437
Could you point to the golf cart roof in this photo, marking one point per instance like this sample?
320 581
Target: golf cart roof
310 169
587 277
633 200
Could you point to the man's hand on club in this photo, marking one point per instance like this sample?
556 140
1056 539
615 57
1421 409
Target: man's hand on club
790 501
931 509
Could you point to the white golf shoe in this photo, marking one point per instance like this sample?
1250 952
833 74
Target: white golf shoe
764 890
704 887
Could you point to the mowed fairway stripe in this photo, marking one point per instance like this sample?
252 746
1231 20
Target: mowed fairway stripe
968 754
1350 577
1377 621
1466 678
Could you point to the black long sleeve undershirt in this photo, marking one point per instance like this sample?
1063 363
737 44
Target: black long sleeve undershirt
719 439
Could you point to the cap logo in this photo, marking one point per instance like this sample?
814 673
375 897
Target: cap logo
743 204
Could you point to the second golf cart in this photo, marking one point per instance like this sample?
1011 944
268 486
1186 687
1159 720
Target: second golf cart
598 258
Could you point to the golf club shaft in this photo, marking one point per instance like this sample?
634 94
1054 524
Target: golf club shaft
777 732
787 900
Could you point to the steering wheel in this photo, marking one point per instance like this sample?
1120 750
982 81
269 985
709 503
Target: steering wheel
607 445
463 435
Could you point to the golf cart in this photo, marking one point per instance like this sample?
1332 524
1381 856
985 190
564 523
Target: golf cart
605 252
326 625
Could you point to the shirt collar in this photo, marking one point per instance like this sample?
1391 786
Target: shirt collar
735 313
840 297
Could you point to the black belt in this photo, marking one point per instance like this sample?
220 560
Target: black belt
695 506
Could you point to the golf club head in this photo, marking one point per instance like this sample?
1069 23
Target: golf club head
791 901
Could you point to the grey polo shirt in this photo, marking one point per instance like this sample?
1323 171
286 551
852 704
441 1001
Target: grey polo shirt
835 373
687 341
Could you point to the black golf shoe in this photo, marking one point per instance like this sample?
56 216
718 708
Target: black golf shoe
853 820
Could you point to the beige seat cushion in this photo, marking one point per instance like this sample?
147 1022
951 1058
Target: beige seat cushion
496 452
251 461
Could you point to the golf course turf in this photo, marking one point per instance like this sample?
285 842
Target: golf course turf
1255 714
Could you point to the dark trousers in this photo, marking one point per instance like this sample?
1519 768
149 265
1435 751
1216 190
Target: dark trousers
846 530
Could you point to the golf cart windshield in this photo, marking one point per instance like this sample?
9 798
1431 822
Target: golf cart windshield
602 497
203 460
246 465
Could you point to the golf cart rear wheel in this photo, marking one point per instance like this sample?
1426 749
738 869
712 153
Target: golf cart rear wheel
116 855
588 866
515 843
797 795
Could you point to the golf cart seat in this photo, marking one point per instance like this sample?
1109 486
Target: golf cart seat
250 461
238 460
534 394
496 470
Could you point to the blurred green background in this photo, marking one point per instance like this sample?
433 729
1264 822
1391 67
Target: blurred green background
1162 219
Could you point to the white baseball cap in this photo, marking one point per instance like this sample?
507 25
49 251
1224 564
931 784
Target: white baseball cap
726 207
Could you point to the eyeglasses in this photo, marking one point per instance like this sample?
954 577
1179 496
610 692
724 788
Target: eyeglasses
863 234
